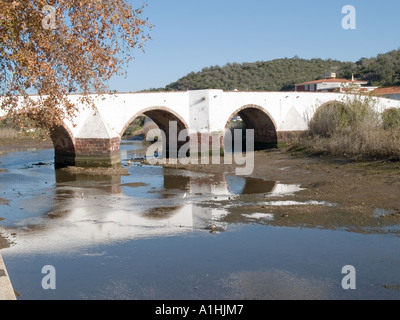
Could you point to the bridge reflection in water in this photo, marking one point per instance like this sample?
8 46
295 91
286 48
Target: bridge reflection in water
91 210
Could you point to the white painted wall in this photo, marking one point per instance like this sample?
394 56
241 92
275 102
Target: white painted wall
204 111
290 111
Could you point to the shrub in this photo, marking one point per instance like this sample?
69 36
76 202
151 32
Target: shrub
330 119
354 127
391 119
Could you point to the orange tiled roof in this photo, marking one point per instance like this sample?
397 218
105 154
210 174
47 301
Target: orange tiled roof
335 80
387 90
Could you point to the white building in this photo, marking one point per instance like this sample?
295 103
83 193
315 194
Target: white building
332 84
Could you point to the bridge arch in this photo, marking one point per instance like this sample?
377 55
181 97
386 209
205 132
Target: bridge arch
328 117
63 144
331 103
257 118
64 147
162 117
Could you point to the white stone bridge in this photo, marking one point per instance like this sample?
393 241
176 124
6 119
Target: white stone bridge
95 138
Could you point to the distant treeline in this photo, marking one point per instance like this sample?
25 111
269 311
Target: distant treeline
283 74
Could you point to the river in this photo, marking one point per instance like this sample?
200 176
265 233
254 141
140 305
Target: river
165 233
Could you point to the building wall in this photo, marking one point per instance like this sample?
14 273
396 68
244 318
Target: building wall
300 88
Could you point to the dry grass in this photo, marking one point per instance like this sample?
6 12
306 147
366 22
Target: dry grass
9 133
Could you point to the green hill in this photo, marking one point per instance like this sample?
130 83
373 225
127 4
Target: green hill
283 74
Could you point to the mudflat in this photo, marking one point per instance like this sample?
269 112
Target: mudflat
336 193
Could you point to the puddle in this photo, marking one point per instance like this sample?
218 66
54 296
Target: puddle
242 185
281 190
257 216
300 203
248 186
380 213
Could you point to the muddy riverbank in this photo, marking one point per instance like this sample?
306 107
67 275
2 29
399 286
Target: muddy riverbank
336 193
359 197
352 183
22 144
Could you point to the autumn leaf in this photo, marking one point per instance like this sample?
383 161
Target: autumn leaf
40 67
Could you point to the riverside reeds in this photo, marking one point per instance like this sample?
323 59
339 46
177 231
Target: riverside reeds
8 133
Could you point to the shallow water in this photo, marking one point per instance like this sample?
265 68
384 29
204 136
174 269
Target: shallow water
168 234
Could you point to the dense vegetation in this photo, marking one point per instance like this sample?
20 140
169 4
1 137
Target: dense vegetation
283 74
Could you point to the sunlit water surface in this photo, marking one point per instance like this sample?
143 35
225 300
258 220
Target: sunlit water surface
166 234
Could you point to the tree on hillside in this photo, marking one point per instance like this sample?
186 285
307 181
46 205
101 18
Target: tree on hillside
55 48
274 75
283 74
384 70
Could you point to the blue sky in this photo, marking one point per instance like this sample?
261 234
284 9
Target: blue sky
189 35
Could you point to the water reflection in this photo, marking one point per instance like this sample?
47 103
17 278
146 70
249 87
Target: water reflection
88 209
106 183
88 226
58 210
240 185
